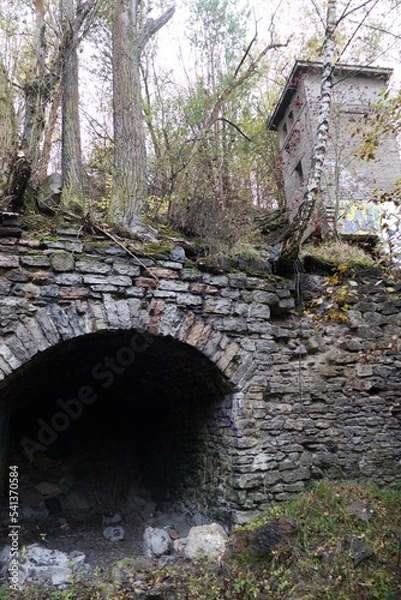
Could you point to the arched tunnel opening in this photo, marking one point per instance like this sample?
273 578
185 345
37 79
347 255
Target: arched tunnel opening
119 425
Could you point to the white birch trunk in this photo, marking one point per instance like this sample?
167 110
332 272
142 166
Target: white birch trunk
294 236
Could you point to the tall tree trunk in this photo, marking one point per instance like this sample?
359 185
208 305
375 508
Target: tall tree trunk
129 139
71 155
37 91
41 87
162 160
8 132
294 237
48 138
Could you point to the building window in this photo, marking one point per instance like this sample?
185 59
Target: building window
299 172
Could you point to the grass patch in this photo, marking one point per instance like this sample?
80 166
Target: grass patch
339 253
319 563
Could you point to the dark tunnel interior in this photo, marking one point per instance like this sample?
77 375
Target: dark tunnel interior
116 420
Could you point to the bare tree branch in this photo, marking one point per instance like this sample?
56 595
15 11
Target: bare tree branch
319 14
357 28
153 25
382 30
346 14
224 120
235 83
246 53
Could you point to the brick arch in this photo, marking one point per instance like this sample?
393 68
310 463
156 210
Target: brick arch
53 324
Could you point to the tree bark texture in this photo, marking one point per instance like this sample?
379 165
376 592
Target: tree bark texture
129 138
40 89
8 130
71 153
130 179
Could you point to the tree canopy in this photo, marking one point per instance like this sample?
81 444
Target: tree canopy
159 111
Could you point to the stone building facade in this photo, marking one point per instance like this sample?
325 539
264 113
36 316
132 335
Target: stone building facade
349 183
227 395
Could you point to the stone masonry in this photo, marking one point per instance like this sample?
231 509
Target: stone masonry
307 397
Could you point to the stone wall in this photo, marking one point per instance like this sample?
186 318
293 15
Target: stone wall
302 396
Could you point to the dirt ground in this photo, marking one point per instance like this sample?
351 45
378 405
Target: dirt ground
68 535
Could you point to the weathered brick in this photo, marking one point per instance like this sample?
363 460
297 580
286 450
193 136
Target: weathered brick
62 261
9 261
73 293
32 260
90 265
161 273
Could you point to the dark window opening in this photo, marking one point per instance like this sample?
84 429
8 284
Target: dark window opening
299 171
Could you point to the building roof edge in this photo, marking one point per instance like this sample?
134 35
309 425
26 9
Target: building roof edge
301 66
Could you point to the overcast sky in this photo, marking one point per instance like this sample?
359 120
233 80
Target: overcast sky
287 21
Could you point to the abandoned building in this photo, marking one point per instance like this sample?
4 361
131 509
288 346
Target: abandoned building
349 183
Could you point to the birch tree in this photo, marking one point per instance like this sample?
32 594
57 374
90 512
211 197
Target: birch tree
294 236
355 18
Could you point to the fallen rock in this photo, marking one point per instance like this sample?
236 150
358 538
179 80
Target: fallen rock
206 541
264 539
357 549
156 542
179 545
361 511
112 519
114 534
125 569
143 232
47 488
49 193
174 535
45 566
159 592
177 254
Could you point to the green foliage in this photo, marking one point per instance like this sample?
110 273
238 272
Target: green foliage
385 119
217 29
78 591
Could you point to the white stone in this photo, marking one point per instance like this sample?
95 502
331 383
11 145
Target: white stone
179 545
206 541
38 564
156 542
114 534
